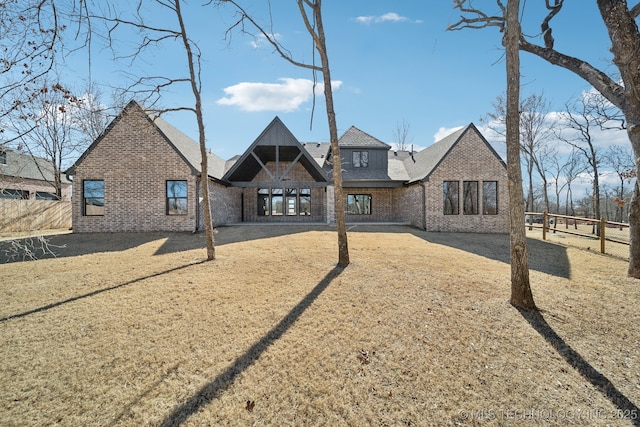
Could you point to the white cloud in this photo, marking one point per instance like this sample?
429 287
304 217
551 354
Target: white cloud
444 132
286 96
260 40
387 17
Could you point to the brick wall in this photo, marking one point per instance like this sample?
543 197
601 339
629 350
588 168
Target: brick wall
135 162
408 205
470 160
382 204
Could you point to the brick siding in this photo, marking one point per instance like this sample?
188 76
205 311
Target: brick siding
470 160
135 162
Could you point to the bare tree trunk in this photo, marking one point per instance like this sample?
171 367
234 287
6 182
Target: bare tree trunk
634 234
521 296
204 167
343 247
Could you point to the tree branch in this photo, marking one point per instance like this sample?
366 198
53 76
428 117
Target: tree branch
244 16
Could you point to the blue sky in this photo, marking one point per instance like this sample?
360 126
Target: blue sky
390 61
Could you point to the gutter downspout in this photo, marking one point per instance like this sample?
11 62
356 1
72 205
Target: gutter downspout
197 205
424 205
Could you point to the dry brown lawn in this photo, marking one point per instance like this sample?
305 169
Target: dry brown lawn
135 329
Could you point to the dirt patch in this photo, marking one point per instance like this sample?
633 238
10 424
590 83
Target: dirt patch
136 329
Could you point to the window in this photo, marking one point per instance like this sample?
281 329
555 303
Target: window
276 201
3 157
359 204
93 196
360 159
490 198
43 195
177 198
470 197
279 201
305 201
451 200
9 193
263 202
291 201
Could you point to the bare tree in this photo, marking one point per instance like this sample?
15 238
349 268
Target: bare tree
31 44
580 118
574 167
622 92
151 87
508 21
45 128
620 160
311 13
535 134
401 135
620 21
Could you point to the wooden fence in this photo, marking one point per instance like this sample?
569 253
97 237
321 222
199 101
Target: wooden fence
613 237
30 215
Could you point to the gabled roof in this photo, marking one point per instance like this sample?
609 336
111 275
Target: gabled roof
422 163
186 147
26 166
276 137
355 138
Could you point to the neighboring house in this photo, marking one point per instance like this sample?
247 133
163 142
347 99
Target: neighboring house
23 176
142 174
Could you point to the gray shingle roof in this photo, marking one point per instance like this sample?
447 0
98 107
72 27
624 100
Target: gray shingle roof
317 150
22 165
189 149
354 137
422 163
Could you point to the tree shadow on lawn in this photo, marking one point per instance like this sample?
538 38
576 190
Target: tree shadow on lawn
76 244
96 292
213 389
628 409
544 256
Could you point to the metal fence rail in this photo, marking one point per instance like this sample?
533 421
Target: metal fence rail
604 236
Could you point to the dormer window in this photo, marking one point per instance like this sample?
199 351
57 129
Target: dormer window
360 159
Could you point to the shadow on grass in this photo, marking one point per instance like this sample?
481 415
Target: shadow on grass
213 389
573 358
77 244
94 293
545 257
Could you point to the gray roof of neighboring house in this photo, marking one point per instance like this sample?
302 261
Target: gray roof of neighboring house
26 166
355 138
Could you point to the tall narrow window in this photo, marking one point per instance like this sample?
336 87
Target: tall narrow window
359 204
263 202
3 157
93 196
490 198
470 197
360 159
291 201
451 199
276 201
305 201
177 198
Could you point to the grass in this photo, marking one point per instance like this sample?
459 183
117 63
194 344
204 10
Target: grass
139 330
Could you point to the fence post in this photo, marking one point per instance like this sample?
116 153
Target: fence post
602 227
544 225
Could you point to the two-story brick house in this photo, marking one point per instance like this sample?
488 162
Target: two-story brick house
142 174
